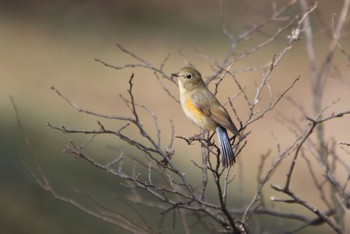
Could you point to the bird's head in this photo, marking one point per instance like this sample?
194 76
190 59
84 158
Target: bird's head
189 78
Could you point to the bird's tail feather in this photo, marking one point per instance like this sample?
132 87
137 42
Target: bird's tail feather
228 157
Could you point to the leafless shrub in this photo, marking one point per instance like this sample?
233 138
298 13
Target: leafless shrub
176 196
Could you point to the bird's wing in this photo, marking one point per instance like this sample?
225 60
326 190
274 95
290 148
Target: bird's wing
206 103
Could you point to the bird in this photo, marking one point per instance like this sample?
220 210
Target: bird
203 109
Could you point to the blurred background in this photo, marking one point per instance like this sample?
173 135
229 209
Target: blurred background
55 43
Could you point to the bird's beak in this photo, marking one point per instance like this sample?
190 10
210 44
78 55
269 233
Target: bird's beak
175 74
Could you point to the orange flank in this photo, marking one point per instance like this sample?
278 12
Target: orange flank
198 117
192 109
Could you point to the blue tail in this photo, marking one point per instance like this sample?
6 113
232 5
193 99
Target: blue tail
228 157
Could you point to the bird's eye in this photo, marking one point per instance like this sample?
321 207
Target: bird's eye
189 76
